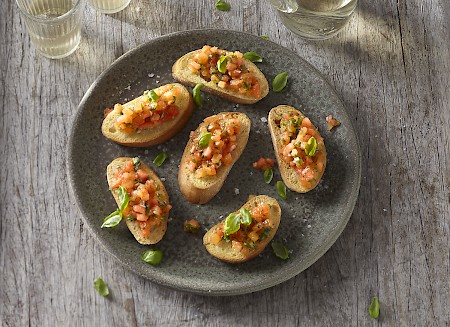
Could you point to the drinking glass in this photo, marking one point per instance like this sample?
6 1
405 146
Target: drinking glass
54 26
315 19
109 6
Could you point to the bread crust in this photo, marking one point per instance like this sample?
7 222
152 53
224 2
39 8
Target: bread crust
223 250
288 174
157 233
201 190
181 73
153 135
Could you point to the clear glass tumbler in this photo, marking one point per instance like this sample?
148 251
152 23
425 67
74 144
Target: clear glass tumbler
109 6
54 26
315 19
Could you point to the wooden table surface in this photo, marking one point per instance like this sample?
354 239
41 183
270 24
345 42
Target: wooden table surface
390 67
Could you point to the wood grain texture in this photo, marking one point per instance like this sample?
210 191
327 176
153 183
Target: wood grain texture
390 66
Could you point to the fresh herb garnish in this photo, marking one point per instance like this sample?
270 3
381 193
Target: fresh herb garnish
152 96
281 190
160 158
222 64
246 218
268 175
264 37
122 194
232 224
279 82
374 308
101 287
280 250
113 219
204 139
197 95
253 56
152 256
223 5
311 146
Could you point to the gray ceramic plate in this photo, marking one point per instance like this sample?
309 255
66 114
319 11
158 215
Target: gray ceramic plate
310 222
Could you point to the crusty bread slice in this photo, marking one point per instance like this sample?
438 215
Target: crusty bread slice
155 234
182 74
153 135
201 190
288 174
223 250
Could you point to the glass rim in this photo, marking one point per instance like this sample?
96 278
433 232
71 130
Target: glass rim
75 7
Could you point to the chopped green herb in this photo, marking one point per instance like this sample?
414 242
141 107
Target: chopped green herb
281 190
197 95
204 139
253 56
160 158
279 82
152 96
268 175
264 37
265 233
223 5
101 287
232 224
311 146
222 64
113 219
122 194
374 308
280 250
246 218
152 256
136 163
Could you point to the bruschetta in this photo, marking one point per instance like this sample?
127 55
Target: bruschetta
244 233
226 74
151 118
211 151
299 148
148 202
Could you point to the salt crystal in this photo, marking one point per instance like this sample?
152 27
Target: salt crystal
309 226
384 209
163 179
236 191
151 75
157 82
128 87
264 119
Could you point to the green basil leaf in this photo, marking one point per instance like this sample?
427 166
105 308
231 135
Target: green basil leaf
279 82
223 5
160 158
311 146
113 219
204 139
222 64
253 56
123 198
281 190
232 224
101 287
268 175
264 37
246 217
280 250
197 95
136 163
152 96
152 256
374 308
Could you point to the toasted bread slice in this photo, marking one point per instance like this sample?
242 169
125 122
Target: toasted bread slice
299 181
201 190
223 249
181 73
151 135
158 231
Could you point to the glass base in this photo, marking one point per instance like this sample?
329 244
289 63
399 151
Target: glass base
105 7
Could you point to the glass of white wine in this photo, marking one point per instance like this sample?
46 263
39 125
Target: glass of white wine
315 19
54 26
109 6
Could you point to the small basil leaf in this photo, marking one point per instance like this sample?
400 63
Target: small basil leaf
232 224
153 95
123 198
222 64
253 56
268 175
311 146
101 287
374 308
204 139
160 158
279 82
222 5
197 95
281 190
113 219
152 256
246 217
280 250
264 37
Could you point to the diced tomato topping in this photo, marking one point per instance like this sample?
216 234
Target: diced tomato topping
263 163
